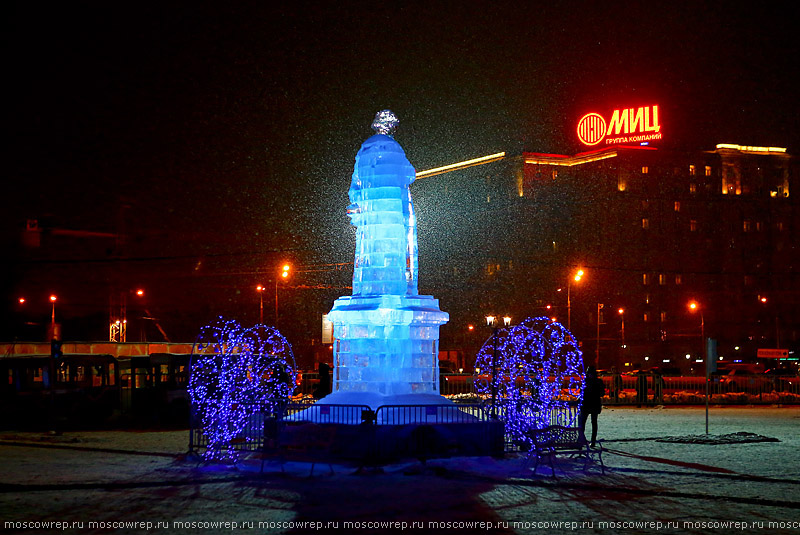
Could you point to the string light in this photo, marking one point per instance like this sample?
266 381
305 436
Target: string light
236 374
540 373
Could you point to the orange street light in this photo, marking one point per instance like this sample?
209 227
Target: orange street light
260 290
694 306
53 299
284 275
577 277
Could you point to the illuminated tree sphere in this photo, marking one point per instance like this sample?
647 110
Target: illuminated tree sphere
237 374
538 373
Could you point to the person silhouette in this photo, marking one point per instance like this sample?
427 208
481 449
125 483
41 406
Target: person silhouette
592 402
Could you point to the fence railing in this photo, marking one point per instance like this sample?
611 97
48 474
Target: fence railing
744 388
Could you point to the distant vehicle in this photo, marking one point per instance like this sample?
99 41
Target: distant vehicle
741 380
446 367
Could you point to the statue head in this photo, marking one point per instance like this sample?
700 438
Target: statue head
385 122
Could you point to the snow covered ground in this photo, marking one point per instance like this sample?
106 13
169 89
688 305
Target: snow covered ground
117 478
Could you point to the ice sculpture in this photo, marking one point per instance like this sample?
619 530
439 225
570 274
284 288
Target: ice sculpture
386 336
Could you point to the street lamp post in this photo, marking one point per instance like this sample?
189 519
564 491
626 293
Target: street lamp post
695 306
491 321
260 290
284 275
597 345
576 278
53 299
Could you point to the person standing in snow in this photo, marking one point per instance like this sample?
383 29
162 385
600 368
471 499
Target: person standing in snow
592 402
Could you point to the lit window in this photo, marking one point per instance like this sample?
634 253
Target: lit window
677 206
678 279
780 226
692 188
693 225
645 278
691 170
645 223
746 226
708 170
662 279
663 316
645 170
646 317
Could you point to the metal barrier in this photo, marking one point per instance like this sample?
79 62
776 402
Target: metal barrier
429 414
249 439
649 389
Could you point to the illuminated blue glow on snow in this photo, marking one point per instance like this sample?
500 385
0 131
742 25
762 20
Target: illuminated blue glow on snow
386 336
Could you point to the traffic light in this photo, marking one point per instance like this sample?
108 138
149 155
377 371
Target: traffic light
55 349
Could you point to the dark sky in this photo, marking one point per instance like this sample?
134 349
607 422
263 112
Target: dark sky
226 129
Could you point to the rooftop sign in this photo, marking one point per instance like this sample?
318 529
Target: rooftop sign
627 125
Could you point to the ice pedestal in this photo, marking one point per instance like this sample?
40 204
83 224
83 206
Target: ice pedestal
386 345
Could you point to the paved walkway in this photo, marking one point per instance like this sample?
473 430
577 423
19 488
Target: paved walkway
116 479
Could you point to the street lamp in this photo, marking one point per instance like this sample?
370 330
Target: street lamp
53 300
621 312
694 306
763 299
260 290
284 275
491 323
577 277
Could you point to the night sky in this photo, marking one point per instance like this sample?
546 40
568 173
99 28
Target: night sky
220 139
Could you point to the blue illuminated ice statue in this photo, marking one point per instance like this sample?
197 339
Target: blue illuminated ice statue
386 336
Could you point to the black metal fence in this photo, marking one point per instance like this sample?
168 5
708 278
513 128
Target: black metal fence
387 433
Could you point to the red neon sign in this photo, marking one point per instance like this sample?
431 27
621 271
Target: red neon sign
627 125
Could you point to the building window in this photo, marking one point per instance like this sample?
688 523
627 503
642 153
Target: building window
645 278
679 279
645 170
677 206
746 226
662 279
663 316
692 188
693 225
692 170
748 280
645 223
779 225
646 317
708 170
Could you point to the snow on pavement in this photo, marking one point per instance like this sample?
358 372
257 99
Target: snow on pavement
112 477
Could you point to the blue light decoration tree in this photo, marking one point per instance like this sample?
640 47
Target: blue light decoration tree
538 374
237 374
